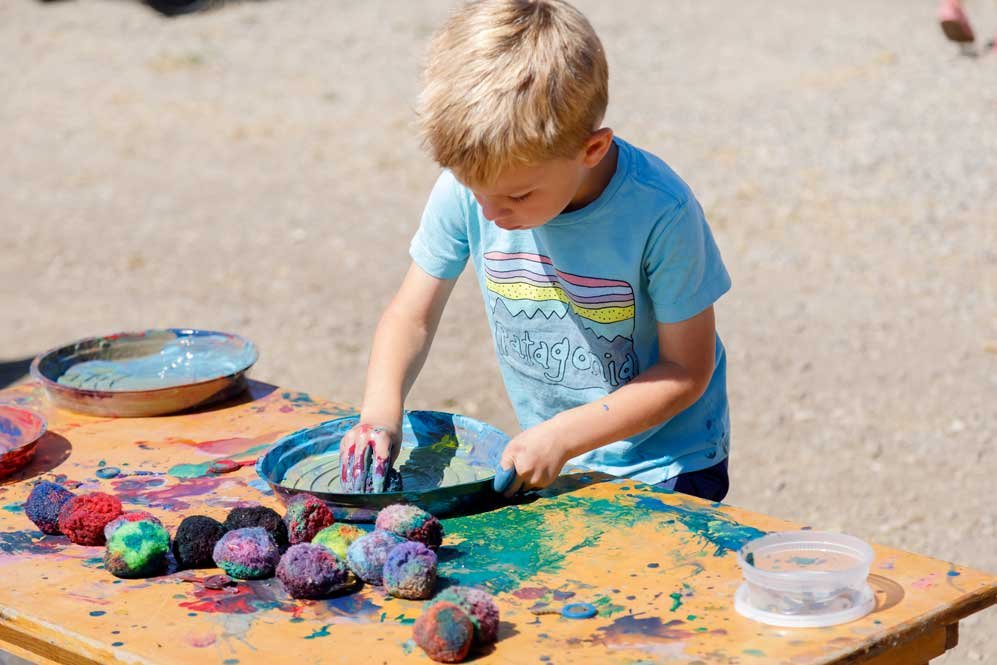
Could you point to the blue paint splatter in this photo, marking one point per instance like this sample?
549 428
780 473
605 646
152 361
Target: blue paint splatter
714 527
298 398
953 573
98 613
322 632
29 542
9 429
117 644
108 472
14 508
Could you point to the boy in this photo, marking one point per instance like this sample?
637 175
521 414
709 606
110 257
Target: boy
597 267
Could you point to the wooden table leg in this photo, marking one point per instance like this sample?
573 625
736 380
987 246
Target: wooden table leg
921 649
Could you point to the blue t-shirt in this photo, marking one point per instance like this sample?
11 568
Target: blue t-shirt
574 304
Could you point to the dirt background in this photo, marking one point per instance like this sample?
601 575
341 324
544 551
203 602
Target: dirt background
255 169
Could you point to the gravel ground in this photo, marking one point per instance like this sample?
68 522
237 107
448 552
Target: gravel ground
255 169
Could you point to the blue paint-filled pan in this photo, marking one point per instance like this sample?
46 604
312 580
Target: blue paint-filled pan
447 464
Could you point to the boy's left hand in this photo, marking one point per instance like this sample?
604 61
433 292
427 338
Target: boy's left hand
537 455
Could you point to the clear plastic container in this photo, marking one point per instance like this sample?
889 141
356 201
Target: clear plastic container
805 579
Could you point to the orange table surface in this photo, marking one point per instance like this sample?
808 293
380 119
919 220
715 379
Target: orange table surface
660 567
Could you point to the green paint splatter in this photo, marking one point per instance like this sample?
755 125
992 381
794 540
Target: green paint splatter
505 547
402 619
676 600
691 617
753 652
14 508
606 607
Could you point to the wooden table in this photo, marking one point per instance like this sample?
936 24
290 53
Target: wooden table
659 566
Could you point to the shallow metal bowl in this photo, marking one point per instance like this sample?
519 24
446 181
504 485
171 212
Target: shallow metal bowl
447 464
148 373
20 430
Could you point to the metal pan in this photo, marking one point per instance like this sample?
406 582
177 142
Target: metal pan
447 464
147 373
20 430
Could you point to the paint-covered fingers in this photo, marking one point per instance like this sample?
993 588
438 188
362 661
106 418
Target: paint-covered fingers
385 445
355 457
516 487
533 458
366 456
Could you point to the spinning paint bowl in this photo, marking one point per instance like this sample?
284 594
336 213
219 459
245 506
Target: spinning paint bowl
20 430
148 373
447 463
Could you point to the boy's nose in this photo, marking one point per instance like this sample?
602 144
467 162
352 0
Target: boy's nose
492 210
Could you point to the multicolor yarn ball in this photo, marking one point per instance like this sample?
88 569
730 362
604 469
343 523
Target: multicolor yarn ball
84 517
125 518
338 538
444 632
195 540
259 516
411 523
312 571
247 554
480 606
43 506
367 554
306 515
410 571
137 549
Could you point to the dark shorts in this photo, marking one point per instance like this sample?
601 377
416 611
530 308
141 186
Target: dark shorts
710 483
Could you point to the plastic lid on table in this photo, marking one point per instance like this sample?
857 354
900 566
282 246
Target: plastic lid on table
805 579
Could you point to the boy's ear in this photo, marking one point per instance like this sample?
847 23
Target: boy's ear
596 146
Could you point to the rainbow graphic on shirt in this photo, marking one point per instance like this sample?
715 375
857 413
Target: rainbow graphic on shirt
533 277
557 327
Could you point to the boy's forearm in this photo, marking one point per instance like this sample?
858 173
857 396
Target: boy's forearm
656 395
397 354
401 343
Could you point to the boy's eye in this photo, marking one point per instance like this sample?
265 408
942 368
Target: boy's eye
521 198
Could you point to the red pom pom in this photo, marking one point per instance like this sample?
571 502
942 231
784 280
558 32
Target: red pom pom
444 632
83 518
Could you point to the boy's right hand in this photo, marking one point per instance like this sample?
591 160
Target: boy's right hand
366 454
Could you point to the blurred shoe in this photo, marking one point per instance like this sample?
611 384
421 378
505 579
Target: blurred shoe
177 7
954 22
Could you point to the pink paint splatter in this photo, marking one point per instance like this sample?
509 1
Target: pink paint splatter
530 593
201 641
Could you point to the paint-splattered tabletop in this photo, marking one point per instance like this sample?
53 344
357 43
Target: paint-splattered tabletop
659 567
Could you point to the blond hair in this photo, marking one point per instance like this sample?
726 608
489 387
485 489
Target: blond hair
511 82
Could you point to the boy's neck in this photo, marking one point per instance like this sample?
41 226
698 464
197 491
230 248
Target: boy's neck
596 181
